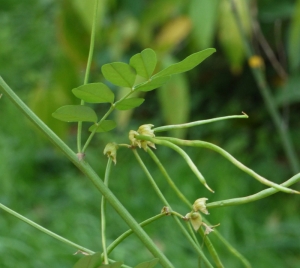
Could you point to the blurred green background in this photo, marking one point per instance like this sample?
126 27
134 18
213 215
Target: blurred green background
43 52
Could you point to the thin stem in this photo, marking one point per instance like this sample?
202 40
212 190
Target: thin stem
268 98
165 202
112 107
197 123
251 198
90 173
168 178
95 130
103 217
87 71
196 143
184 155
46 231
121 238
207 241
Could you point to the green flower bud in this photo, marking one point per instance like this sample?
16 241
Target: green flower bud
111 151
133 140
146 131
200 205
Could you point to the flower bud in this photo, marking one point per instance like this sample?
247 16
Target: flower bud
196 220
111 151
133 140
146 131
200 205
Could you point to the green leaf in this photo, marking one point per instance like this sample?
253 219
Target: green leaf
187 64
128 104
94 93
147 264
203 13
75 113
111 265
153 84
144 63
105 125
91 261
119 73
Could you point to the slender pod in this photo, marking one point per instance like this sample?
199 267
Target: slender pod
179 151
196 143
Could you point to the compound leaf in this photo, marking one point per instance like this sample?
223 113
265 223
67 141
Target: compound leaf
128 104
75 113
94 93
187 64
119 73
104 126
153 84
91 261
144 63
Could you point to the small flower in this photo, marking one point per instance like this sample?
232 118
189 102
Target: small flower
142 130
256 62
209 229
200 204
195 219
111 151
133 140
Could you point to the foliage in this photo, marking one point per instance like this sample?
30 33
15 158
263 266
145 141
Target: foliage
125 30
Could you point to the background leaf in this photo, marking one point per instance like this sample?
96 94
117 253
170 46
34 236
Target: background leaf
94 93
106 125
91 261
119 73
129 103
294 38
75 113
153 84
144 63
203 13
187 64
174 97
147 264
230 39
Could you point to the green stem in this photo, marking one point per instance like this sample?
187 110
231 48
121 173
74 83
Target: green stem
165 202
87 71
233 250
229 157
103 218
112 107
181 152
168 178
89 172
46 231
268 98
207 241
197 123
251 198
121 238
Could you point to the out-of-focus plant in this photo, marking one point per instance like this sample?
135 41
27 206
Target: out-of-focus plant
141 68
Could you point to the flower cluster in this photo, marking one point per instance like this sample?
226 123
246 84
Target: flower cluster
195 217
142 130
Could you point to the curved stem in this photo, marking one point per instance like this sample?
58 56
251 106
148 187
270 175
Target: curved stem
229 157
87 71
103 217
254 197
197 123
184 155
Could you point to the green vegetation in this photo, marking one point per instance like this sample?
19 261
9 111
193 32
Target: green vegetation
43 56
